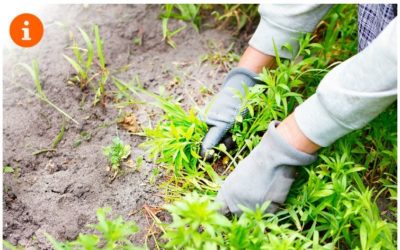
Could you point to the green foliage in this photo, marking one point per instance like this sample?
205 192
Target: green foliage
240 16
100 91
83 63
337 34
176 139
59 136
333 198
333 203
111 234
8 169
197 224
185 12
225 58
126 92
117 152
10 246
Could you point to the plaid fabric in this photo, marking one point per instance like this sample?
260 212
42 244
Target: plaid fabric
372 19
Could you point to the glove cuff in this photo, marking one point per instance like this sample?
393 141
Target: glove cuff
242 74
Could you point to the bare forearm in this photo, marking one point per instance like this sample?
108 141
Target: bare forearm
291 132
255 60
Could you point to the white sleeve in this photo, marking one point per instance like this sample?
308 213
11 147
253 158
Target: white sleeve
353 93
284 23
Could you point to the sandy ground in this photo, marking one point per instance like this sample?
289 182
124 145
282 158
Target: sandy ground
59 192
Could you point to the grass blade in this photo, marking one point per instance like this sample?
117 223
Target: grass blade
99 45
75 65
34 72
89 47
59 136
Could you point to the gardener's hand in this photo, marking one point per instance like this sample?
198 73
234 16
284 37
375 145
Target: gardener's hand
226 106
266 174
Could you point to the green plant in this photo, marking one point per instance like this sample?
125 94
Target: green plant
35 74
281 91
81 65
139 163
83 136
104 71
154 174
185 12
197 224
10 246
167 34
111 234
54 144
224 58
176 140
8 169
337 34
124 92
116 153
239 16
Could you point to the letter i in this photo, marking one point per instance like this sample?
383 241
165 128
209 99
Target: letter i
26 32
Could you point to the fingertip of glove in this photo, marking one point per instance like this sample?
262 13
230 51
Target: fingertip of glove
211 139
224 206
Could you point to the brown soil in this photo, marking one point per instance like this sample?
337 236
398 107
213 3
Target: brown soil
59 192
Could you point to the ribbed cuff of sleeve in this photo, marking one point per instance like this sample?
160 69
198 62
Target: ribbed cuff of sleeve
317 124
268 33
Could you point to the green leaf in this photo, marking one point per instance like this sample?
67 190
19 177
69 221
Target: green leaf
89 47
8 169
75 65
99 45
59 136
363 236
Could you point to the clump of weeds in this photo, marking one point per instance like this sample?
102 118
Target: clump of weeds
83 60
174 142
224 58
239 16
116 153
185 12
87 72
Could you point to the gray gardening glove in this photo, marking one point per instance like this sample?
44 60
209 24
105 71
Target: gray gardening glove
226 106
266 174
